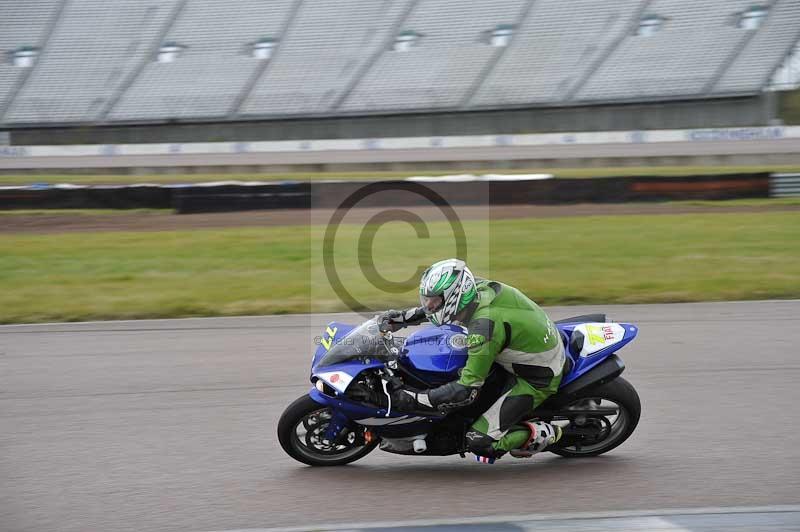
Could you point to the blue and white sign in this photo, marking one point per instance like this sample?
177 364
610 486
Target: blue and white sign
13 151
736 133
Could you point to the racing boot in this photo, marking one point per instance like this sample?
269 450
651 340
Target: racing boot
542 435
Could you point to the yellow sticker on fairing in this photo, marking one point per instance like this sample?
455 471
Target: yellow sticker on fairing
327 342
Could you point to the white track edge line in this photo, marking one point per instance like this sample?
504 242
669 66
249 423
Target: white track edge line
531 517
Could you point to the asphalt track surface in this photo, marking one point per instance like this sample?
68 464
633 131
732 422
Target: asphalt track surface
170 425
789 147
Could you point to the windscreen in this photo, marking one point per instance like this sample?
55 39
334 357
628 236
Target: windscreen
362 342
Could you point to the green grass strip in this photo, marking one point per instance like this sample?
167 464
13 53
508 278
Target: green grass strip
596 260
749 202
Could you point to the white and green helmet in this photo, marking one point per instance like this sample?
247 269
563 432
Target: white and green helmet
445 289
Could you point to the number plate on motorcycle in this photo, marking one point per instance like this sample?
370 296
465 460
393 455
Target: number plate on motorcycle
598 336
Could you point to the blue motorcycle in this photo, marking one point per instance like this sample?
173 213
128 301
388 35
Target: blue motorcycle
348 411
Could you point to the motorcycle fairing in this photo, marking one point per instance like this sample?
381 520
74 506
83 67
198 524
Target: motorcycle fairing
338 376
596 337
376 418
340 330
382 421
338 380
588 344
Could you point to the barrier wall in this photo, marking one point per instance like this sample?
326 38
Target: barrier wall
714 112
228 198
146 197
256 196
776 145
406 143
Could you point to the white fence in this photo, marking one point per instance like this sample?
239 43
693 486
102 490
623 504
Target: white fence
410 143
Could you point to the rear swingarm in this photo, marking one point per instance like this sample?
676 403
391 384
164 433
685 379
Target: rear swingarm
571 413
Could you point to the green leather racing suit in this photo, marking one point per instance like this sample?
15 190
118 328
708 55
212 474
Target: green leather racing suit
507 328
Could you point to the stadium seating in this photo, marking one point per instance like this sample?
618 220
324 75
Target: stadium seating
95 46
215 65
682 59
323 52
99 59
22 23
449 59
750 70
554 49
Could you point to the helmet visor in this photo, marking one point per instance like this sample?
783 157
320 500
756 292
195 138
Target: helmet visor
431 304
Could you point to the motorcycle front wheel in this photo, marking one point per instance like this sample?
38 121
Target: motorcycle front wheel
301 431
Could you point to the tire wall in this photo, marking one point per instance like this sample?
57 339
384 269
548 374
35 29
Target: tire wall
304 195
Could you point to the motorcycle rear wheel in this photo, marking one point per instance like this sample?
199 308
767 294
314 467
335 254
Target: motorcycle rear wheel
300 430
616 430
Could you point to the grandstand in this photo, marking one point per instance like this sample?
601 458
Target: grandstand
208 78
110 63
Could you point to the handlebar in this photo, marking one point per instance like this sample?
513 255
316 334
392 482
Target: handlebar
388 342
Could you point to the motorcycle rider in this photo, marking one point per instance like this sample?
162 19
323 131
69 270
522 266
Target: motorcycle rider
503 327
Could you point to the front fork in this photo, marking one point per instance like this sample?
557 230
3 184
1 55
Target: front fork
341 424
337 427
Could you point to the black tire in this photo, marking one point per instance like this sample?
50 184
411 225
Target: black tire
296 414
624 395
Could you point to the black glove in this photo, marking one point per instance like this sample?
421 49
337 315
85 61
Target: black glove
452 396
444 399
394 320
407 400
391 320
